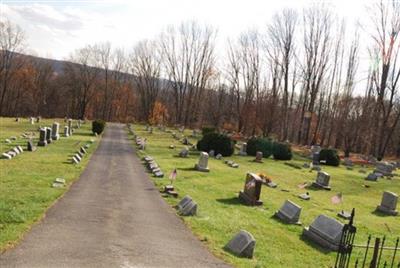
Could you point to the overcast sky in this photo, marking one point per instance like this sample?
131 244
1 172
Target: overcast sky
55 28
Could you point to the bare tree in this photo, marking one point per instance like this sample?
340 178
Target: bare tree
11 43
82 78
280 48
317 32
188 57
386 46
145 63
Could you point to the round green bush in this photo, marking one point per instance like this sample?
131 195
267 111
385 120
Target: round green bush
221 144
98 126
206 130
330 157
259 144
282 151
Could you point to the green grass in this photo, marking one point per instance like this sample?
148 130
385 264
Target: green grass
25 180
221 215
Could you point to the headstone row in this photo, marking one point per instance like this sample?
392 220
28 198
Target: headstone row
381 169
231 164
77 158
13 152
47 134
153 167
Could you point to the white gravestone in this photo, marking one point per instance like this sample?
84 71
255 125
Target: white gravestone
66 131
55 129
203 162
243 149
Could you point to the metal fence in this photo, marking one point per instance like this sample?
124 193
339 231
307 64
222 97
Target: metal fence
382 253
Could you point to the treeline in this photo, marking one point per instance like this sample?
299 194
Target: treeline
298 79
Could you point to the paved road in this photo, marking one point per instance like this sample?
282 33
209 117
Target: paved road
113 216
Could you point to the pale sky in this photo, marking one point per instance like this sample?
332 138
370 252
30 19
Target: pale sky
55 28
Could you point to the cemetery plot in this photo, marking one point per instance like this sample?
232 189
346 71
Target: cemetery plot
31 181
221 215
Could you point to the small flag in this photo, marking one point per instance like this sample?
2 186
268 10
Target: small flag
302 186
337 198
172 176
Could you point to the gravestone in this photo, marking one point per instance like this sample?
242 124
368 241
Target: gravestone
69 127
185 200
325 231
243 149
185 141
55 129
42 137
6 156
384 168
252 190
305 196
158 174
12 153
289 212
30 146
242 244
75 160
184 152
372 177
211 153
218 156
315 150
58 183
48 135
322 180
8 141
66 131
306 165
203 163
234 165
15 150
38 119
32 120
83 150
344 215
259 156
20 149
78 157
188 209
388 203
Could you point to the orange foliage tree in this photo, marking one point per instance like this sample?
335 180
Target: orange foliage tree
159 115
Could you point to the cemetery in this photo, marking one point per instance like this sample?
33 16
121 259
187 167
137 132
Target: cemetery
291 223
36 176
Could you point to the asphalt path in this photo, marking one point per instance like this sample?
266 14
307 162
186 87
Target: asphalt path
113 216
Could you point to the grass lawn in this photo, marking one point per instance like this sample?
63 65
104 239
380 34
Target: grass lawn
221 215
25 180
